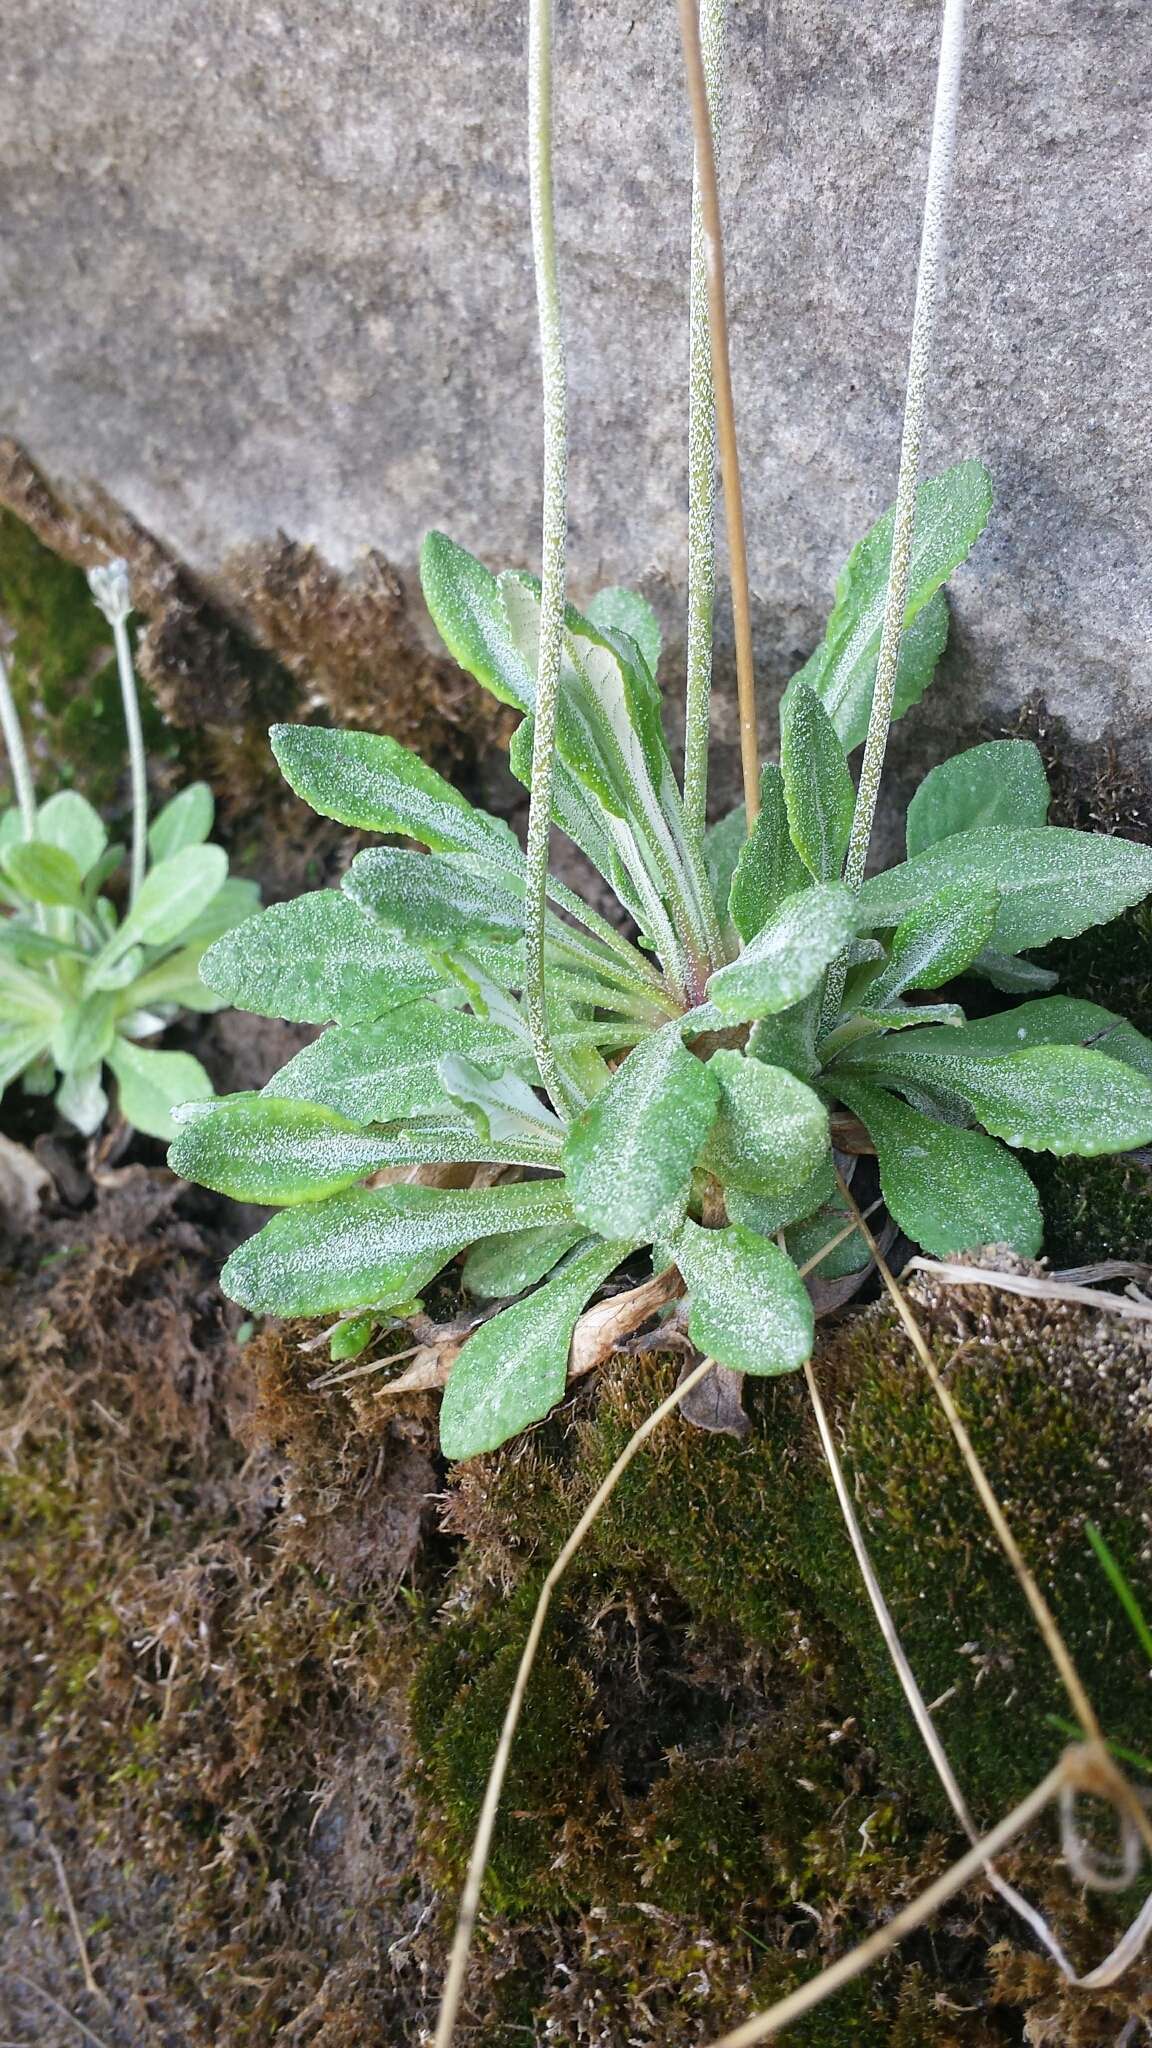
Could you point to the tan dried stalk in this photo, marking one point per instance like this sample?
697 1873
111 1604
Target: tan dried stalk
725 406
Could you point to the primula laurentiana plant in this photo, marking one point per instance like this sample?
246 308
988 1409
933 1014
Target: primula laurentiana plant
83 985
706 1069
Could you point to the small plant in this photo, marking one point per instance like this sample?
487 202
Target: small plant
83 985
708 1073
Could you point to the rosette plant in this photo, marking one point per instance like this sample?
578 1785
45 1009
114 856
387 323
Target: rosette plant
705 1071
88 979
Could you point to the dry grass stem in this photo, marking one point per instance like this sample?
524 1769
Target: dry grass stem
90 1984
1123 1796
1037 1288
481 1847
762 2026
709 191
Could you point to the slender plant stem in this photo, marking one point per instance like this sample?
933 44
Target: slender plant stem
932 237
553 539
701 452
713 240
22 785
765 2024
482 1843
110 588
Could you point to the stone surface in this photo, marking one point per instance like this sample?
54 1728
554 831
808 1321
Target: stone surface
265 266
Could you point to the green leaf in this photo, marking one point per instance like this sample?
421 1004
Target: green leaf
788 957
437 899
936 941
948 1190
630 1153
1063 1020
351 1337
258 1148
1001 783
805 1240
172 896
234 901
68 821
747 1305
186 820
1053 883
625 611
84 1034
81 1100
1013 977
789 1039
502 1105
314 959
771 1132
723 845
391 1067
1049 1098
44 873
499 1267
951 513
174 979
818 789
20 1045
375 1246
369 781
768 868
768 1213
515 1368
153 1083
470 616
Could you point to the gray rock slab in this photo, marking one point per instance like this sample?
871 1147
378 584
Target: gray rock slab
265 266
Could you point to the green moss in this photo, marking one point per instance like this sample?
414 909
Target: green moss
63 671
717 1731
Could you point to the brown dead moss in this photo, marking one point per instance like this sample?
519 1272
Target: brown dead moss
200 1693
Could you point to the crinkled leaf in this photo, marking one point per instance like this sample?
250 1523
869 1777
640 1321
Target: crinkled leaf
948 1190
934 943
625 611
630 1153
151 1083
317 958
514 1369
499 1267
258 1148
370 781
818 789
951 513
68 821
768 868
44 873
1053 882
770 1133
374 1246
390 1068
1049 1097
788 957
1063 1020
747 1305
172 896
437 899
184 821
1000 783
